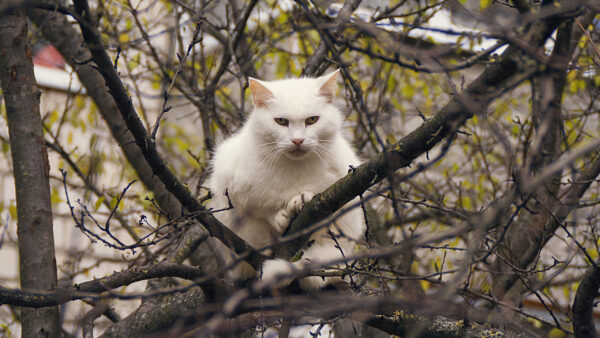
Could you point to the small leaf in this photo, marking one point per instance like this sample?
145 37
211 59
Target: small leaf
297 257
55 196
99 202
12 210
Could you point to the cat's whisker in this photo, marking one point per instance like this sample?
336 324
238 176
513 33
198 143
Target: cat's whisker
324 153
266 150
270 160
266 161
272 152
267 147
318 151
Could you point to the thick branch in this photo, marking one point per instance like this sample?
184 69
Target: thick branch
97 286
37 261
147 145
547 215
150 319
514 67
570 203
69 43
87 323
391 314
583 305
404 324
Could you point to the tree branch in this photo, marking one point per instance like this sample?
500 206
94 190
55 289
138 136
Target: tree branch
514 67
155 318
93 288
583 305
70 45
148 146
547 216
316 60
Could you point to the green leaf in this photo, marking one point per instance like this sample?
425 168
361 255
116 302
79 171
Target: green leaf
297 257
99 202
55 196
113 202
12 210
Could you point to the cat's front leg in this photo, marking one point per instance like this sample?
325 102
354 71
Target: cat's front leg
291 209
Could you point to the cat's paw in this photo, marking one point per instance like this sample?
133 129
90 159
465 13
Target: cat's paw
274 271
282 220
285 215
279 273
296 203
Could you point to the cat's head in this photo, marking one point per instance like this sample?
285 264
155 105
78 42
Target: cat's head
295 118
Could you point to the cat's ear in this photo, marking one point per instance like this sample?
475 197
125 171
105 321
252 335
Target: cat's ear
260 93
329 86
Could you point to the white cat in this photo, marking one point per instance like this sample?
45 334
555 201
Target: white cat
290 148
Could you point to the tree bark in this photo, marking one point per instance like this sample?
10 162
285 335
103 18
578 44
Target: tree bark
160 317
583 306
409 325
37 263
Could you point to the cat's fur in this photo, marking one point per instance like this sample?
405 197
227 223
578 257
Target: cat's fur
270 169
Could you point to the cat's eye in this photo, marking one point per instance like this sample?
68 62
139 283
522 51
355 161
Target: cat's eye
282 122
311 120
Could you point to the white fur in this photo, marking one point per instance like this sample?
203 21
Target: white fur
265 182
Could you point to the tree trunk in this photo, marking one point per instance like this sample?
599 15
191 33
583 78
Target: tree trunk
37 262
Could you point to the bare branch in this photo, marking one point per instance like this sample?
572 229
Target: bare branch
495 80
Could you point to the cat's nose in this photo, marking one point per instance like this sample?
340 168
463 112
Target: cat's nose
297 141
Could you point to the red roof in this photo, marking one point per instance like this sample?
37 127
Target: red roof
49 57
